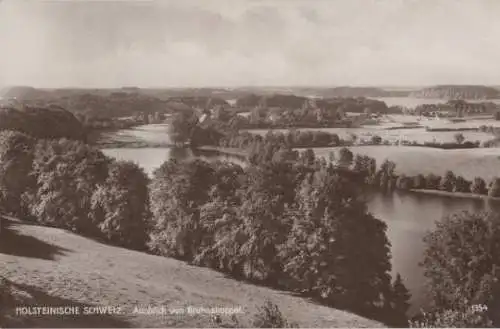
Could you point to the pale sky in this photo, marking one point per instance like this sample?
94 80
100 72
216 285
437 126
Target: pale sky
230 43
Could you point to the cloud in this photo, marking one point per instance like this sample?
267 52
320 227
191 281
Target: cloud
218 42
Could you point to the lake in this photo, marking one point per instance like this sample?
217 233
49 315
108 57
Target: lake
408 215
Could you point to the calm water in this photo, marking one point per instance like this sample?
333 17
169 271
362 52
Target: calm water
152 158
408 215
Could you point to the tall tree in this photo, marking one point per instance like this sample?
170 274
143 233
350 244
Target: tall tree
121 205
448 181
178 191
182 126
345 157
67 173
459 138
462 262
400 298
479 186
494 190
320 255
16 161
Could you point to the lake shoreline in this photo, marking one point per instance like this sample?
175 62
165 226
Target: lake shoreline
466 195
132 145
223 150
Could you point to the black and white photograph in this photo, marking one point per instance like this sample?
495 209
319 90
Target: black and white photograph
249 163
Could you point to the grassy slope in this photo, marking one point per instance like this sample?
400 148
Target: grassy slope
411 160
60 268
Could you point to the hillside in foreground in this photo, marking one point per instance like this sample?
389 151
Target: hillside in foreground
53 267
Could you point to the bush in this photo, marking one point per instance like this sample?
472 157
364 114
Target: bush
467 318
270 316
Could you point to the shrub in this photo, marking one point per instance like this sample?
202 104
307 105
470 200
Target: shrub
270 316
466 318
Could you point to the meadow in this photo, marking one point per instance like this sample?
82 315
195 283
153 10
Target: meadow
53 267
420 135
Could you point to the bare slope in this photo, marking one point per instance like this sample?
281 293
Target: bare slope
60 268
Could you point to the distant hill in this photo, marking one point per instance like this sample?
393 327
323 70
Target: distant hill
52 267
457 92
346 104
326 92
22 92
118 102
41 122
362 92
199 101
276 100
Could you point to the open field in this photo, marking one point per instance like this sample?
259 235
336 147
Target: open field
413 102
56 267
411 160
420 135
